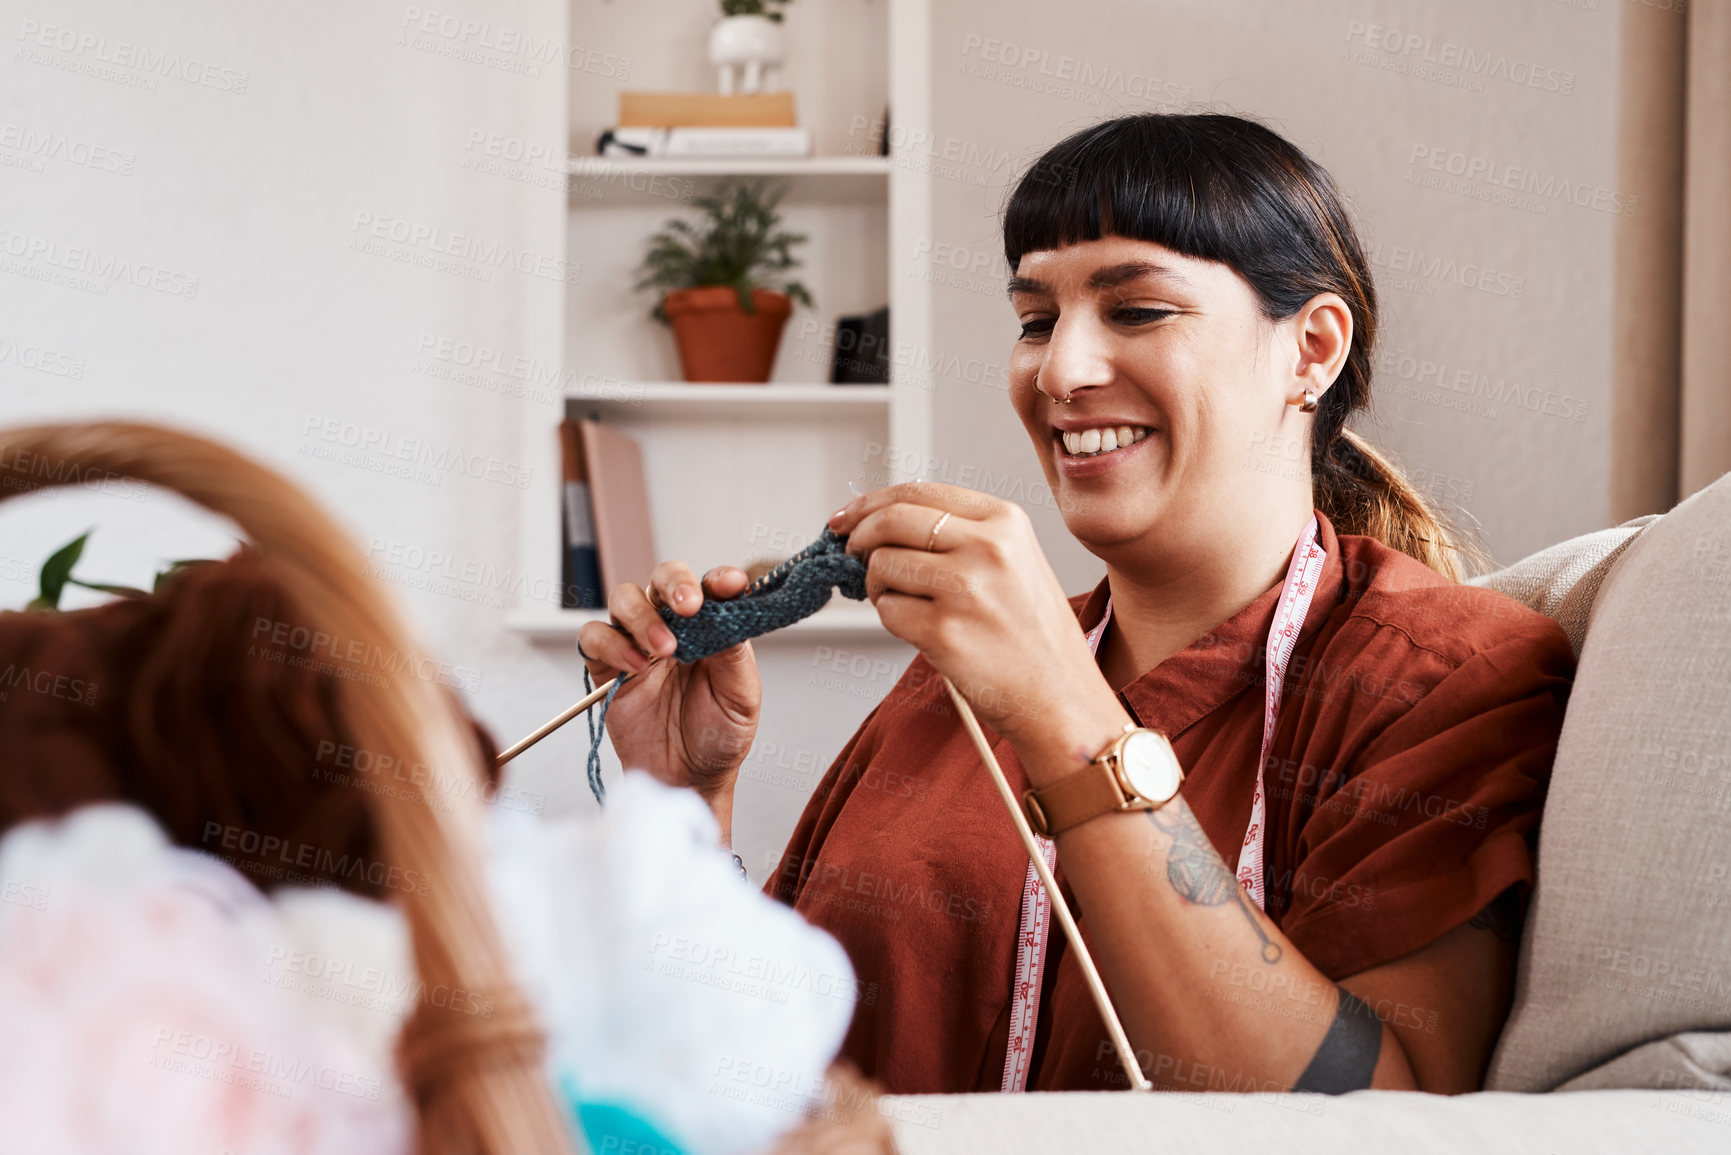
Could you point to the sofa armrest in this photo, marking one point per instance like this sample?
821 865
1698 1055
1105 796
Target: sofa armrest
1364 1123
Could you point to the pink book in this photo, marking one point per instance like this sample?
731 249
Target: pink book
619 493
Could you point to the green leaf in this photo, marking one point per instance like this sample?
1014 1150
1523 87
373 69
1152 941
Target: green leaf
118 591
57 571
737 243
175 567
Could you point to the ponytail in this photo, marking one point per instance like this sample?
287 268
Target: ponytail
1362 492
472 1064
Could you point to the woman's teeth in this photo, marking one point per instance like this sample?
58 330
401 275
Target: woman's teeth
1092 442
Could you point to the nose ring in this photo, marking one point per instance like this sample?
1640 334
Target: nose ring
1064 400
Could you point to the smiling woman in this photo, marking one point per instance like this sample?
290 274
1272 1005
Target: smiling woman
1287 772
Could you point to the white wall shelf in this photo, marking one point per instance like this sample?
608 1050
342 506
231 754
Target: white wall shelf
841 618
740 472
868 166
678 399
828 178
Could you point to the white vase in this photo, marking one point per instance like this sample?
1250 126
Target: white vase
747 53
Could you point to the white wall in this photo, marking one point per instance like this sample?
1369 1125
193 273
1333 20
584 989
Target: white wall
254 186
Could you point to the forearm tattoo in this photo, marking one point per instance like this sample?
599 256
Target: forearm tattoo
1347 1058
1197 873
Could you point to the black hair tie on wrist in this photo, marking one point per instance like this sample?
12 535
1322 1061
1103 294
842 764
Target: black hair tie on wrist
1347 1058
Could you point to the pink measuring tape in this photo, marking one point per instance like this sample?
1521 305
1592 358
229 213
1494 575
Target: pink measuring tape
1289 613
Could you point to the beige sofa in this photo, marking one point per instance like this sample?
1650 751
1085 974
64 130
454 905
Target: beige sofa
1623 1011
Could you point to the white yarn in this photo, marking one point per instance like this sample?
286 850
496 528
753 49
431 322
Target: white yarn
670 984
135 1015
155 1001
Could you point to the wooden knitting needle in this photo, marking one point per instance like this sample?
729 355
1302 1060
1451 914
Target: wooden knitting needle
1097 988
1102 1000
588 700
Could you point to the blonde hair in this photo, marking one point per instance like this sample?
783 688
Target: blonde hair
476 1079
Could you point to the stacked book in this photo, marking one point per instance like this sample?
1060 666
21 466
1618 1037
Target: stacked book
695 125
605 504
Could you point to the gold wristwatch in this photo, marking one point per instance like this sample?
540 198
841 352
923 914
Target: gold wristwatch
1138 771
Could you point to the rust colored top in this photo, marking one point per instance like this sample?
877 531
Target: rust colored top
1405 780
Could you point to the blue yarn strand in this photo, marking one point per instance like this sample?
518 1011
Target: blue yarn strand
598 727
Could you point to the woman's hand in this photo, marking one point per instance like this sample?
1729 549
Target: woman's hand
688 725
981 603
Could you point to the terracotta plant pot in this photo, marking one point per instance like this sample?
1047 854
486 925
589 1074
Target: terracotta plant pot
719 341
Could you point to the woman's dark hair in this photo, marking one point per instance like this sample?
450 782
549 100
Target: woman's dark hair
1221 188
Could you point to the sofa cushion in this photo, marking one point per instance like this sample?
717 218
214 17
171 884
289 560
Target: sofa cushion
1563 582
1363 1123
1628 940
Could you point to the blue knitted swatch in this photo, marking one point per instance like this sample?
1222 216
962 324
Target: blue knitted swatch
795 589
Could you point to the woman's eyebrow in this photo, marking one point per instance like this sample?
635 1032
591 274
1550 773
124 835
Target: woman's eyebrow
1114 275
1109 277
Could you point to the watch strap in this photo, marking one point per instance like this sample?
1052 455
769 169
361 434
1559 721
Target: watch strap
1072 800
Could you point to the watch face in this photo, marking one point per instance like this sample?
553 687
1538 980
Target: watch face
1149 767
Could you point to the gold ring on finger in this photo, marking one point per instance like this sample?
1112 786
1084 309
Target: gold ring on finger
933 539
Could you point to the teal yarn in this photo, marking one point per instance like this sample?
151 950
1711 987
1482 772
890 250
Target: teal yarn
792 591
611 1127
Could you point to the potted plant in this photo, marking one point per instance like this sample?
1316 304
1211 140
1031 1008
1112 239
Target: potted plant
723 282
747 38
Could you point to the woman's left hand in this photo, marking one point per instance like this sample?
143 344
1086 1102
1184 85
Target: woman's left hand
978 599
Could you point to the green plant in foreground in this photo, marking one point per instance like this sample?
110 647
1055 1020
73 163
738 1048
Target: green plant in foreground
57 575
738 242
754 8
